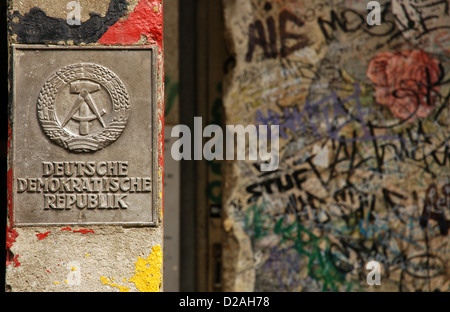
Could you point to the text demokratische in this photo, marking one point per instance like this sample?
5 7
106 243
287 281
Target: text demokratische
91 185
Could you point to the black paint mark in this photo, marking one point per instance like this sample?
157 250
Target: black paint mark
434 208
256 189
301 39
36 27
257 36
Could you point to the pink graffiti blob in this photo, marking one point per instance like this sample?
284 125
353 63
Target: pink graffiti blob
407 82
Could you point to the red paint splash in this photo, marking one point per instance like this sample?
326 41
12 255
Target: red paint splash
41 236
11 234
10 237
146 20
83 231
9 180
16 262
406 82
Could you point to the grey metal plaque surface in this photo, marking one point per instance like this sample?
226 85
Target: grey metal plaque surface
84 147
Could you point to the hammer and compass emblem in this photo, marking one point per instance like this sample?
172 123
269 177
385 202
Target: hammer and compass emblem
80 85
84 104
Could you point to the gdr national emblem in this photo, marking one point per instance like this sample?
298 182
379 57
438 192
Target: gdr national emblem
83 107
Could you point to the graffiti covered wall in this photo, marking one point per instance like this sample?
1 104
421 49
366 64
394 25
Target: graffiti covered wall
364 152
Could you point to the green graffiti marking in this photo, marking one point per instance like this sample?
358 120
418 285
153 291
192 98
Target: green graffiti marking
315 249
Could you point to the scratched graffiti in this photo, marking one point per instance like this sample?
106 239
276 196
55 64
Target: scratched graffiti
364 168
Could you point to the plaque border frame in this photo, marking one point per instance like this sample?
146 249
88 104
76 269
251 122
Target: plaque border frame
154 132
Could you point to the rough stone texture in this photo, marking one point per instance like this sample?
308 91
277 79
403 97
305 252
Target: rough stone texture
67 260
364 146
95 258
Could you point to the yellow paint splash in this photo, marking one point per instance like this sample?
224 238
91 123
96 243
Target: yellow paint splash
107 281
147 277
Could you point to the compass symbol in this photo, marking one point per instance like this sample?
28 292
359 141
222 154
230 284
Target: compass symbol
84 105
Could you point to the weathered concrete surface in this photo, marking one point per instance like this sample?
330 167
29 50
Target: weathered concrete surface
79 259
94 258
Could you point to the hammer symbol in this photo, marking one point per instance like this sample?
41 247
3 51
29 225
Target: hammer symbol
83 89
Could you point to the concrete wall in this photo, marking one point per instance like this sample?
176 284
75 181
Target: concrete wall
94 258
364 146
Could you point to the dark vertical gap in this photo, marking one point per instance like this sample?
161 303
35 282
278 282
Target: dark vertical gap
187 100
207 173
4 137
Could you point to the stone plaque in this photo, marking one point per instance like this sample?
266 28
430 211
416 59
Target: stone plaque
84 147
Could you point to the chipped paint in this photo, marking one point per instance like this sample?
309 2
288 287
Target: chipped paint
9 182
15 261
83 231
41 236
148 277
11 234
37 26
107 281
143 21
